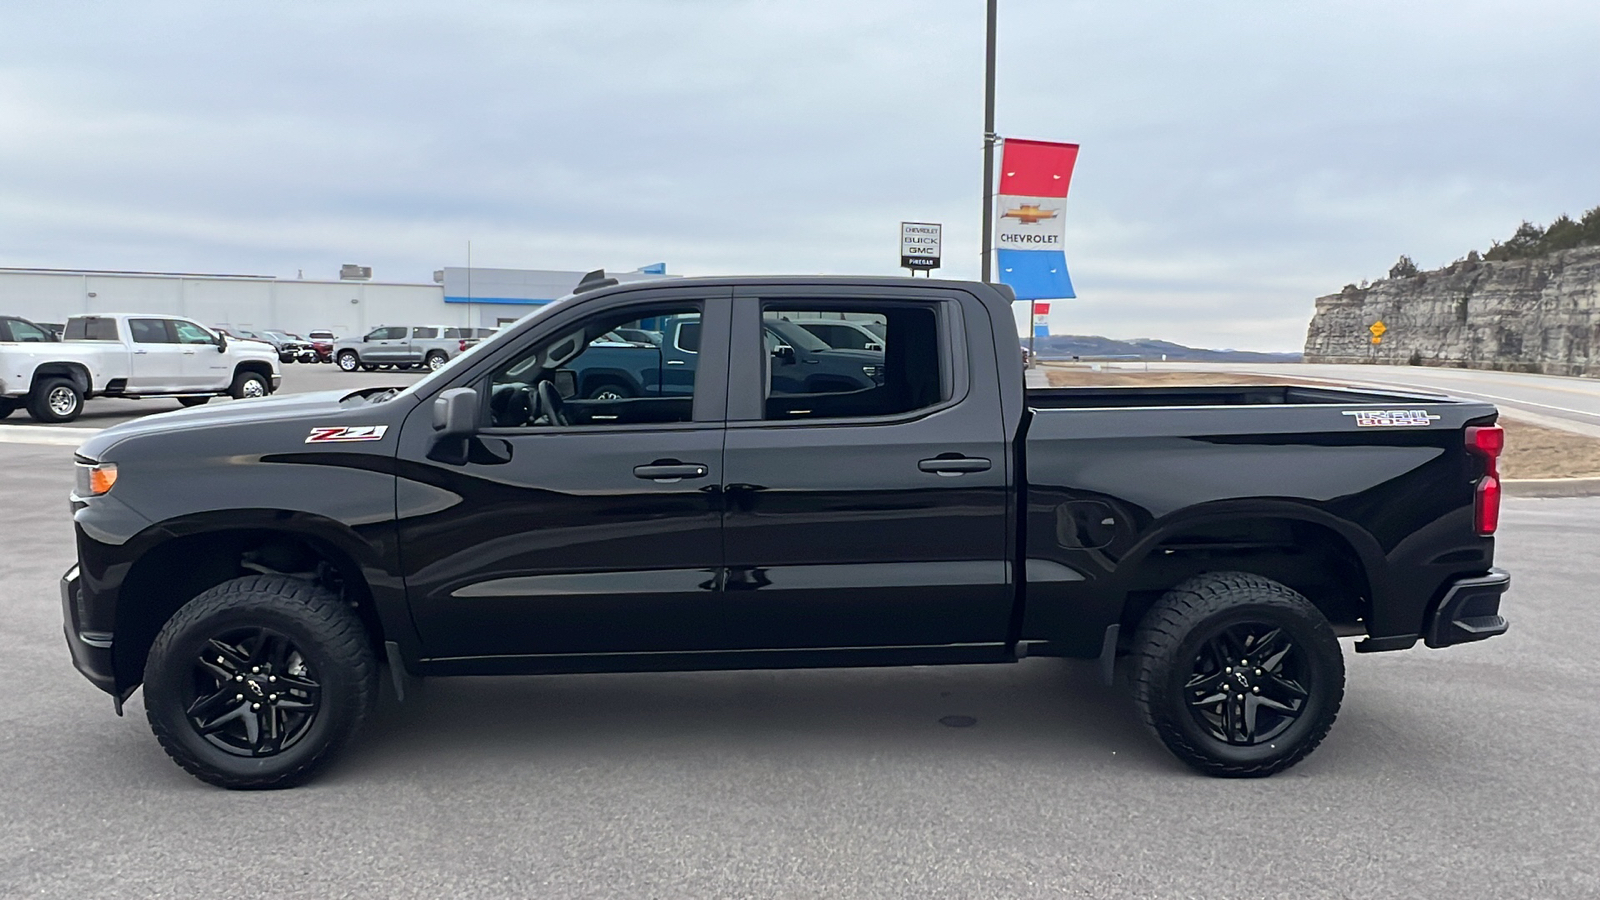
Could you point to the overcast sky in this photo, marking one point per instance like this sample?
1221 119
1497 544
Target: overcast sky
1239 157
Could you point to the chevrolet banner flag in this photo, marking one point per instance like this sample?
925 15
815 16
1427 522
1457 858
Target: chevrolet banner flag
1034 176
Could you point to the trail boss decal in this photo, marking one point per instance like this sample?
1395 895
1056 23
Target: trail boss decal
345 435
1392 418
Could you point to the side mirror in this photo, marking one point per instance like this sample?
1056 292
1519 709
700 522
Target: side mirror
783 353
455 412
222 342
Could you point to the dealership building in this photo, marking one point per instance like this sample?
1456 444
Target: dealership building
350 306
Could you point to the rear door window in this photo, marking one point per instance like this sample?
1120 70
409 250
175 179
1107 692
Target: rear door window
149 331
425 334
807 378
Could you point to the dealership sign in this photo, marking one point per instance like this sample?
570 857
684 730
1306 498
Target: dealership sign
1029 223
919 245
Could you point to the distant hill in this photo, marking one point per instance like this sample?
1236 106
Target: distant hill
1058 346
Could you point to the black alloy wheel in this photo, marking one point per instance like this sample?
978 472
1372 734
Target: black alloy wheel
1238 675
259 681
252 692
1248 684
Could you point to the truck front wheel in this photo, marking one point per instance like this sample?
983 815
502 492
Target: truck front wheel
1237 674
248 386
348 361
55 400
259 681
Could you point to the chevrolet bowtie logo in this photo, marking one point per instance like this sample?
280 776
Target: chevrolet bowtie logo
1029 214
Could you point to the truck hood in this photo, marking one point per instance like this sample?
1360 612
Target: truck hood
322 405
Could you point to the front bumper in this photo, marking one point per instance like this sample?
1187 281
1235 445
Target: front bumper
1470 611
91 650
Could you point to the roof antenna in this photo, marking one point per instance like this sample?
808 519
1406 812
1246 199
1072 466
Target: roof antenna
594 281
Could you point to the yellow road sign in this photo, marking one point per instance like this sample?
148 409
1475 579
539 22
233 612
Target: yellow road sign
1377 328
1376 339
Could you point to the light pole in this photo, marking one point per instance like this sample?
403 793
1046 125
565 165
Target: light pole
989 140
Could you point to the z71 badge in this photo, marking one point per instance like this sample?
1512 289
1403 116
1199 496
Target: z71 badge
1392 418
345 435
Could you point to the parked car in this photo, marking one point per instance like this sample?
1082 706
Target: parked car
401 346
844 335
15 330
252 568
131 356
322 342
291 347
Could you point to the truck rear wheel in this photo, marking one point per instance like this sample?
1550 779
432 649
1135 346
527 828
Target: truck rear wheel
259 681
1237 674
55 400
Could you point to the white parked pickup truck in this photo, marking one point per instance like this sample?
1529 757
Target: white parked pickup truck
127 355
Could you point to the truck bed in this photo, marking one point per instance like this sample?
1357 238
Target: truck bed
1217 395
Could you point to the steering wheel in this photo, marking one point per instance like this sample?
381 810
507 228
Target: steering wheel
550 399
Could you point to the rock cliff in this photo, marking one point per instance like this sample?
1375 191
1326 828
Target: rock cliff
1524 315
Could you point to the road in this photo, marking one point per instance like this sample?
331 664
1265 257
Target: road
1466 773
1569 403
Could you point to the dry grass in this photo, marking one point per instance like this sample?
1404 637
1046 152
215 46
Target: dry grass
1532 451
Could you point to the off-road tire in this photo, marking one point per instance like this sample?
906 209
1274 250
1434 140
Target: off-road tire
43 409
194 401
1169 643
325 630
241 386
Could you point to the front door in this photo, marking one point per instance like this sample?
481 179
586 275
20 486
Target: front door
206 367
870 512
156 357
384 345
574 525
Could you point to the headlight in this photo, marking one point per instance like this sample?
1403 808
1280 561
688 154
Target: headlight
95 479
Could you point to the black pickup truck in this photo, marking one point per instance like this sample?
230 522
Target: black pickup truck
253 565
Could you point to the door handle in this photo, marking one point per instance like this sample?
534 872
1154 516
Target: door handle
674 362
669 470
955 465
140 352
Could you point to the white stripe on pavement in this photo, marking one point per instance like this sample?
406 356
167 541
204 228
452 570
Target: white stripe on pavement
57 435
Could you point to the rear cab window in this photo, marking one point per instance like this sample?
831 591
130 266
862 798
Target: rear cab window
90 328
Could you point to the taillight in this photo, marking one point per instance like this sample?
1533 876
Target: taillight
461 347
1487 441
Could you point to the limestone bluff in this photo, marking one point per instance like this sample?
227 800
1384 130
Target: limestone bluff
1524 315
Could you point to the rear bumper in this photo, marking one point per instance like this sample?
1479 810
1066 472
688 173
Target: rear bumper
91 650
1470 611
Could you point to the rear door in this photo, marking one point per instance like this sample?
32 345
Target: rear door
157 358
869 516
574 526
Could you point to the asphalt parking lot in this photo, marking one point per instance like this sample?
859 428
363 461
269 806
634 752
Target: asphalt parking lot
297 379
1467 773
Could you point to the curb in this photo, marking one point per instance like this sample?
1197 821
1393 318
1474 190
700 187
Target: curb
1552 487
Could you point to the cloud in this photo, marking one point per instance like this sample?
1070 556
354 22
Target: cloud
1238 158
